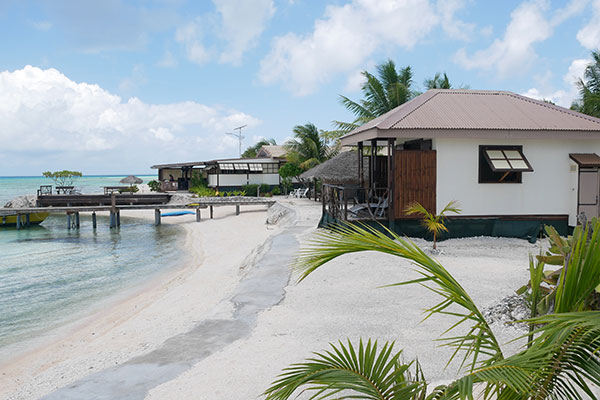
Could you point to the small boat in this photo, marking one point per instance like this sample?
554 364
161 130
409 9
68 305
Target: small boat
176 213
34 219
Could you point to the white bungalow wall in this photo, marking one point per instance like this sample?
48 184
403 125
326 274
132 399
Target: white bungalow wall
550 189
243 179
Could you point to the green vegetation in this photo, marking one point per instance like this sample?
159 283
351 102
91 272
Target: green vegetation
251 190
435 224
308 147
154 185
561 360
589 88
276 191
64 177
252 151
130 189
438 82
203 191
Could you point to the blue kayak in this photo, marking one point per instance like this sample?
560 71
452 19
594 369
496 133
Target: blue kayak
176 213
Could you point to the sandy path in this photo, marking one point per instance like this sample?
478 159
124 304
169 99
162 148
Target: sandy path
218 252
340 301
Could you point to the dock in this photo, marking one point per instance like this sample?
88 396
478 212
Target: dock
73 220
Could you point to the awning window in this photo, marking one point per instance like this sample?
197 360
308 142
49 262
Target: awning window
241 167
226 167
507 160
255 167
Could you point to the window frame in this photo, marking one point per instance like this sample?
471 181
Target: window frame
484 159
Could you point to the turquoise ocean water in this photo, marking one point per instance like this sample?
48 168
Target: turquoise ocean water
50 275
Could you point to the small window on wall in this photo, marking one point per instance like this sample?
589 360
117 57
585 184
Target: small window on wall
502 164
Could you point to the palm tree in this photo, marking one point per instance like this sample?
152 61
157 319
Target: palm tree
561 360
438 82
589 88
435 224
308 147
251 151
381 93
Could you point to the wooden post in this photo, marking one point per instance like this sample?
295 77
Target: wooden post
94 223
18 221
361 172
345 207
373 162
211 212
77 222
198 215
113 220
27 220
118 214
68 220
390 181
156 217
237 209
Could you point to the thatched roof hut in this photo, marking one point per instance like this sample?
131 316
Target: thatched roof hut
339 170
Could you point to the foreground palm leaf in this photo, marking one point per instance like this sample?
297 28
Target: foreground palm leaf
479 345
344 372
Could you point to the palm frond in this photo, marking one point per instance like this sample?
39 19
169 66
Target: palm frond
479 345
559 364
345 371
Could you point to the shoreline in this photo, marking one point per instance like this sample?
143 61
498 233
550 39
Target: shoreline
342 300
125 323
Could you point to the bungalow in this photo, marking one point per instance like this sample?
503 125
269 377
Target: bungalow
513 163
226 174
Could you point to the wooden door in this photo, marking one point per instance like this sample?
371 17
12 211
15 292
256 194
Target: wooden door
414 180
589 191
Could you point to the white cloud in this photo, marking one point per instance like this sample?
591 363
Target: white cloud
234 30
515 51
453 27
42 25
242 24
44 111
589 35
168 60
190 36
355 81
562 97
344 38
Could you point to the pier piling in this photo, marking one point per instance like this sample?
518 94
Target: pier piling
77 222
156 217
198 215
118 217
18 221
113 219
211 212
27 221
237 209
94 224
69 220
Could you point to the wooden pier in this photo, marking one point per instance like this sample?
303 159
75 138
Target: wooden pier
73 220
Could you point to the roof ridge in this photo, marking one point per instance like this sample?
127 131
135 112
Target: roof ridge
554 107
425 101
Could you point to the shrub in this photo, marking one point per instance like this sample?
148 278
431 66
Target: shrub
250 190
131 189
203 191
154 185
264 189
276 191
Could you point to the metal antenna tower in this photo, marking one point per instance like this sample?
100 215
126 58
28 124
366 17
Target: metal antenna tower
239 136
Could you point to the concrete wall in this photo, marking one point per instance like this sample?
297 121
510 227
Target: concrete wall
550 189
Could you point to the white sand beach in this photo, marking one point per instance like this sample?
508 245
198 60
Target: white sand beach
341 300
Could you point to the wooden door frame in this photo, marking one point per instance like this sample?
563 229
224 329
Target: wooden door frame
398 188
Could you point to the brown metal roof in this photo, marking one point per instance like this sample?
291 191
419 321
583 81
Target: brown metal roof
469 113
586 159
275 151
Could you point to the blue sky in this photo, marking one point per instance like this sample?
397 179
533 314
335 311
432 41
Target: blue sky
115 86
